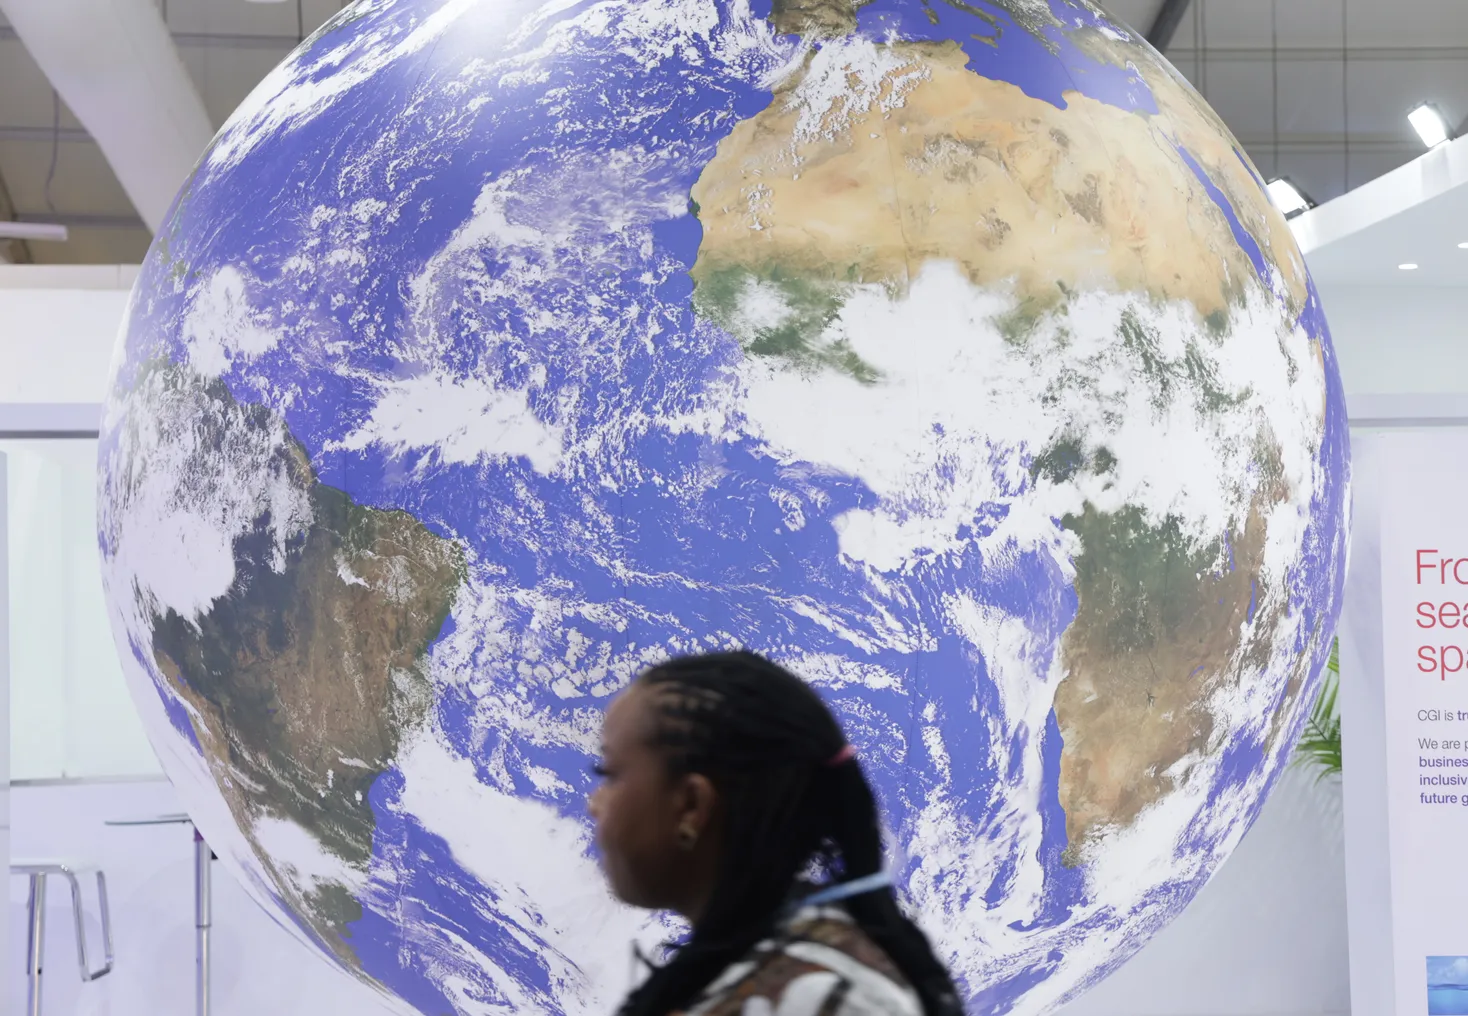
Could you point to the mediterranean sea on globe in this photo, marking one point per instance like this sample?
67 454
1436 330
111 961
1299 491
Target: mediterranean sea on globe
948 352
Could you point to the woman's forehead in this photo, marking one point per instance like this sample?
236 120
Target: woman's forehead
626 718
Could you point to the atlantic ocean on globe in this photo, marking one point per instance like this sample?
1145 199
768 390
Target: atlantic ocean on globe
947 352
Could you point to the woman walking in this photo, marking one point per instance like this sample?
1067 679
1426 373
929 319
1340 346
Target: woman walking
726 785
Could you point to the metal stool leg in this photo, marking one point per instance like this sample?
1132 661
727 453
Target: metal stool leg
84 965
38 872
203 919
35 944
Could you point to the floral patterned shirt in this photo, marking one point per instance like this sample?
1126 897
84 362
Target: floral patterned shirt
819 963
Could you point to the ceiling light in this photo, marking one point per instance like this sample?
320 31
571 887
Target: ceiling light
1288 198
1408 267
1429 124
1463 246
44 231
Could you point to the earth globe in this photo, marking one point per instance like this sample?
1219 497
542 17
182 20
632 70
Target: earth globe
949 352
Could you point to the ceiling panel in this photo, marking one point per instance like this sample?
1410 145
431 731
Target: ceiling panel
1312 24
225 75
25 94
1310 103
1407 22
83 183
1240 23
1317 24
95 247
1241 95
1381 93
239 17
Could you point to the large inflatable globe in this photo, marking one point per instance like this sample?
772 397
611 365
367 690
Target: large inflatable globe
947 352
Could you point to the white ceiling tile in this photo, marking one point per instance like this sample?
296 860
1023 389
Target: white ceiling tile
83 182
1416 24
239 17
1383 92
1311 22
1242 96
25 94
1234 23
224 76
1310 97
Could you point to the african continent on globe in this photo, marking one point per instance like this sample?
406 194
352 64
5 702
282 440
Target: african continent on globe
947 352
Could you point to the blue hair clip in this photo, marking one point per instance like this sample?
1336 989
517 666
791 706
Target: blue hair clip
846 890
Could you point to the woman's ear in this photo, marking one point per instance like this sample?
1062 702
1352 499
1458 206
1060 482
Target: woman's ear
698 800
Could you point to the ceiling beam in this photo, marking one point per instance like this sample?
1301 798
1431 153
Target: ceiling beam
1164 26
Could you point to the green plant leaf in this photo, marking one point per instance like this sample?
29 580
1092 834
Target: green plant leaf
1320 744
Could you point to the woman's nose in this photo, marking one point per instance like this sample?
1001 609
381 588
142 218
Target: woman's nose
593 804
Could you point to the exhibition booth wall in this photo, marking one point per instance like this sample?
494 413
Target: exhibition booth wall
1267 936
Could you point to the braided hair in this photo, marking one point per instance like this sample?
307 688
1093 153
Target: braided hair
766 741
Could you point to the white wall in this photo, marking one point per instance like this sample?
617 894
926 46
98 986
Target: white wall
4 710
1398 340
57 329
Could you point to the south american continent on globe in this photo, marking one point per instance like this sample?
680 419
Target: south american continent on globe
949 353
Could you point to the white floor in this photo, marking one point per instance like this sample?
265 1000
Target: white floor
1265 938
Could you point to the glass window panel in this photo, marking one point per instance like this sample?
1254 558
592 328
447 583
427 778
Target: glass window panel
70 712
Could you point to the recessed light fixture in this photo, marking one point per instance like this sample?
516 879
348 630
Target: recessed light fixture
1463 246
1410 266
1288 198
1427 120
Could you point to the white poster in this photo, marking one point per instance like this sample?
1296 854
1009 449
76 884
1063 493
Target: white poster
1424 600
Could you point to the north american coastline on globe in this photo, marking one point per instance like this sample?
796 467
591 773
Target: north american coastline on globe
948 353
